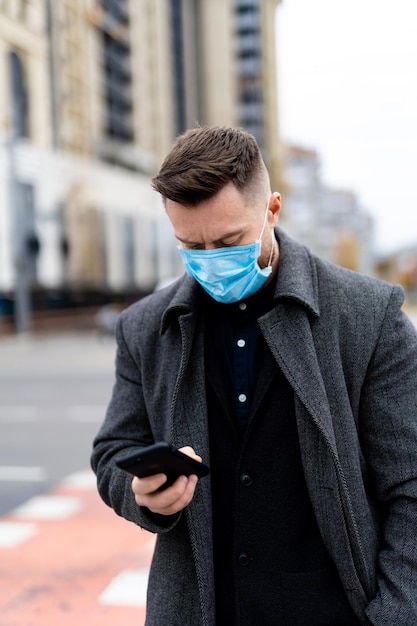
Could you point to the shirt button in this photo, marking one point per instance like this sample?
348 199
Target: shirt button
242 397
241 343
245 480
243 306
243 559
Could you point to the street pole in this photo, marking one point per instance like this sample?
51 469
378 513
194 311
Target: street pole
22 304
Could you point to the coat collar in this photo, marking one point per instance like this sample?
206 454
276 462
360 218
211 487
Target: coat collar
297 276
185 297
297 280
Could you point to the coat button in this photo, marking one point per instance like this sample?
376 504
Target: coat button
245 480
243 559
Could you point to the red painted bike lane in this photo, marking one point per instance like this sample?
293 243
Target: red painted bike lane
66 558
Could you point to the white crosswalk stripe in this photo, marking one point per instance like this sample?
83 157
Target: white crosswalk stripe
22 414
86 413
80 480
31 413
48 508
13 534
14 473
127 588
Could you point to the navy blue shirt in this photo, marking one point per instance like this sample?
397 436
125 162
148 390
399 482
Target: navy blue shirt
233 336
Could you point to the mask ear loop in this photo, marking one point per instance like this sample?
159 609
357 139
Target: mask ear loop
272 248
265 218
272 235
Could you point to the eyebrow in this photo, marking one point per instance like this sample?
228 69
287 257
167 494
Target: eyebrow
222 239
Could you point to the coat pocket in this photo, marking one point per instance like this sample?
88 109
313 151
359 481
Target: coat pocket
316 599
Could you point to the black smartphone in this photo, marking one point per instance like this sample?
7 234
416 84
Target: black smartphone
162 458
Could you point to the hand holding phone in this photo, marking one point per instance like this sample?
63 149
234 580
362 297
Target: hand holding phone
162 458
148 464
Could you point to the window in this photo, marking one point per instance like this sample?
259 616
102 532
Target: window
19 96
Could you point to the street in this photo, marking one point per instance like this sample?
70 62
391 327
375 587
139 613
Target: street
53 394
65 556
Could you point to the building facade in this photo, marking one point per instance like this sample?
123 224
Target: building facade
199 62
95 91
331 222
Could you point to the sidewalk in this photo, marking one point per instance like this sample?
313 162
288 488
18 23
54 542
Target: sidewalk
66 558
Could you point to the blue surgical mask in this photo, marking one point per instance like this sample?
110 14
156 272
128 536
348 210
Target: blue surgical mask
229 274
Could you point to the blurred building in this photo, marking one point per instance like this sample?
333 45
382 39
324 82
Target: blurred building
329 221
205 62
400 267
73 217
94 93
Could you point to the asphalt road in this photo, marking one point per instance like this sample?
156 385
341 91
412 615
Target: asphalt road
53 394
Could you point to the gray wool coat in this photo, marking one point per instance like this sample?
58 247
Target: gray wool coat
350 354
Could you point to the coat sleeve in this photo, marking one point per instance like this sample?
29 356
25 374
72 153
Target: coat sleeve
389 427
125 429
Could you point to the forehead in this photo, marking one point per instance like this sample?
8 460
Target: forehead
227 212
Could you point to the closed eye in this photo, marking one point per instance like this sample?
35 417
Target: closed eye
195 246
218 244
227 245
227 242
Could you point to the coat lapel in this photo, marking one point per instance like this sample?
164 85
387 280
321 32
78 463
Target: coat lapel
288 334
190 427
287 331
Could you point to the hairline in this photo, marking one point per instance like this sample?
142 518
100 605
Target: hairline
248 191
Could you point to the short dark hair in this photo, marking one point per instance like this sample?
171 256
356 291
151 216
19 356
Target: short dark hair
203 160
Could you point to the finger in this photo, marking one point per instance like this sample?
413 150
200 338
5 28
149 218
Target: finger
189 451
158 500
144 486
171 500
184 493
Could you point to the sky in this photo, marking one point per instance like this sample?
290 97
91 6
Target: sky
347 76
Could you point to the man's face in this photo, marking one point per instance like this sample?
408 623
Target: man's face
225 220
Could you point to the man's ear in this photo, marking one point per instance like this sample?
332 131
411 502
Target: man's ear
275 206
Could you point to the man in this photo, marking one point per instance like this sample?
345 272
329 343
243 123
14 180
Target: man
296 381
